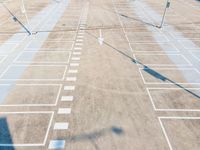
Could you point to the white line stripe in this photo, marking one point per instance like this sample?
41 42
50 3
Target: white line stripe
81 33
71 78
61 126
69 88
74 64
57 144
64 111
73 71
80 36
79 40
78 48
67 98
79 44
76 53
76 58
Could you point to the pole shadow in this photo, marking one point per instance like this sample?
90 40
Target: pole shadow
149 70
5 136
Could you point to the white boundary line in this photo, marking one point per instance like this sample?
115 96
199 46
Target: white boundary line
31 112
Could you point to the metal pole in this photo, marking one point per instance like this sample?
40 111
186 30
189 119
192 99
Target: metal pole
164 14
16 19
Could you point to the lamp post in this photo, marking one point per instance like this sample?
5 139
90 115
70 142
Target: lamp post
164 14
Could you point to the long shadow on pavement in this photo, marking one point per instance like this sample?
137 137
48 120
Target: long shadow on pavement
93 136
5 136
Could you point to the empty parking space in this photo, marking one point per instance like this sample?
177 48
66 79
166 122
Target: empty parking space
29 94
170 76
51 45
44 57
162 59
27 128
34 72
153 47
175 99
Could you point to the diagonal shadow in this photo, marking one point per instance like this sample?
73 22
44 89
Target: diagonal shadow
149 70
93 136
128 17
5 136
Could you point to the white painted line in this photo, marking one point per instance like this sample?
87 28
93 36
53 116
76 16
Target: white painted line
79 44
71 78
79 40
72 71
78 48
81 33
69 88
76 53
67 98
75 58
80 36
57 144
64 111
61 126
74 64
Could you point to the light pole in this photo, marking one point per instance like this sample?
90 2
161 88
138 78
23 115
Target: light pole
164 14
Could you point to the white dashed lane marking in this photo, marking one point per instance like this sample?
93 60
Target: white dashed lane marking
73 71
64 111
61 126
67 98
74 64
57 144
71 78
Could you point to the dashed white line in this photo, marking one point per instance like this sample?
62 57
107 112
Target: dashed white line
75 58
78 48
64 111
76 53
71 78
74 64
69 88
67 98
57 144
73 71
61 126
